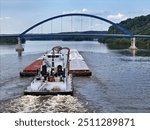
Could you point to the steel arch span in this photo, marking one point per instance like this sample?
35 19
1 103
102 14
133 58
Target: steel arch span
79 14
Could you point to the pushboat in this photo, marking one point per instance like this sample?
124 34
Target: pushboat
53 77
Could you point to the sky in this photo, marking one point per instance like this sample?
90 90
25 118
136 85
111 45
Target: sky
18 15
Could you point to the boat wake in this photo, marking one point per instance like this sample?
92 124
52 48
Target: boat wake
43 104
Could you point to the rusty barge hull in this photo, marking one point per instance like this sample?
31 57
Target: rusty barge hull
32 69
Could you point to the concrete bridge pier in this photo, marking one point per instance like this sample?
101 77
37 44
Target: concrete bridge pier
133 44
19 47
133 52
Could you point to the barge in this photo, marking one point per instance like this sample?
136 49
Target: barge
77 66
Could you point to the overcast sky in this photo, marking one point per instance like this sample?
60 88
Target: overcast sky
17 15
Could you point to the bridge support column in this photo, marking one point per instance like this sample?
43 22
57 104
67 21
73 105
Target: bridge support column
19 47
133 46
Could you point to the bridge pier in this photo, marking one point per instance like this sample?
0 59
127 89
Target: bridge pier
133 46
19 47
133 52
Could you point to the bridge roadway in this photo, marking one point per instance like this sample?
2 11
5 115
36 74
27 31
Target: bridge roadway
66 35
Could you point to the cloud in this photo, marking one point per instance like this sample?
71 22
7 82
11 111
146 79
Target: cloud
84 10
118 17
4 18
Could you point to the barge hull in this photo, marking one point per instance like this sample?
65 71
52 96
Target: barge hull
78 73
48 93
32 69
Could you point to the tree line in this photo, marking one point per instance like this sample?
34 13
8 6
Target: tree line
138 26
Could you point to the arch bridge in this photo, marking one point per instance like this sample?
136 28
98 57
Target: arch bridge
126 34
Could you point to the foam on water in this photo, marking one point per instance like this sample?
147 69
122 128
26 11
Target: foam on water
43 104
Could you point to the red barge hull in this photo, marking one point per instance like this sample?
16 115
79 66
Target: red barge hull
32 69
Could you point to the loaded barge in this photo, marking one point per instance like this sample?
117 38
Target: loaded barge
54 70
78 66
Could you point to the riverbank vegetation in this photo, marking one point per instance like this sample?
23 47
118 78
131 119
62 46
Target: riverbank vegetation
124 43
138 26
9 40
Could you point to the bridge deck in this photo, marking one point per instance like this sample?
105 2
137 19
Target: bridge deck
66 35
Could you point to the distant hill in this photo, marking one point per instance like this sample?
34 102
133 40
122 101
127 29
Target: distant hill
137 25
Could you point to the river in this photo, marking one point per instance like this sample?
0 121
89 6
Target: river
120 82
